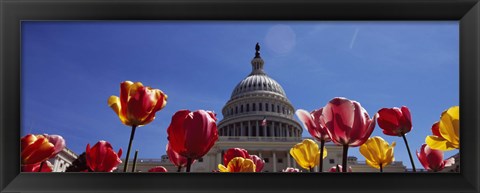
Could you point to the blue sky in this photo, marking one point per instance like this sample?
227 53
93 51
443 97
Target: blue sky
69 69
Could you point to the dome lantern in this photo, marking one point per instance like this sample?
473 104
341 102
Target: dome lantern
257 62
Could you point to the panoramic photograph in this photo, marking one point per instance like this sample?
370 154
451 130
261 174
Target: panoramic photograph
240 96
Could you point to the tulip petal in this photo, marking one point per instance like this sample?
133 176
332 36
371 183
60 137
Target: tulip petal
309 123
388 119
449 162
140 104
439 143
306 153
27 140
259 163
377 152
101 157
234 152
199 123
238 164
115 104
450 125
436 129
57 141
434 158
222 168
422 158
38 151
176 132
158 169
161 101
124 96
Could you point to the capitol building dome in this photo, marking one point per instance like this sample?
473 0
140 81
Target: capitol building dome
259 109
259 118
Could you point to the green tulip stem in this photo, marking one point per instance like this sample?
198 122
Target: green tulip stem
189 163
179 168
381 168
135 161
132 134
344 161
322 145
409 154
40 168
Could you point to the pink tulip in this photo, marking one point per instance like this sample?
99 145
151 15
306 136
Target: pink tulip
312 122
259 163
57 141
340 168
158 169
102 158
347 122
290 169
432 159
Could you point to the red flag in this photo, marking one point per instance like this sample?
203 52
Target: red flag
264 121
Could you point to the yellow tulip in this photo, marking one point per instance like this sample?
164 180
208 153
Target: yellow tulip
447 135
377 152
307 154
238 164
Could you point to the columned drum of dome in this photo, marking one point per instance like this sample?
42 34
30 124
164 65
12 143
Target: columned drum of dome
256 98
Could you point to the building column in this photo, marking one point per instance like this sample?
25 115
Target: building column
257 130
249 129
219 159
265 131
272 130
294 163
288 131
241 129
289 162
274 162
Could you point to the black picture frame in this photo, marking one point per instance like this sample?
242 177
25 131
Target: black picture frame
12 12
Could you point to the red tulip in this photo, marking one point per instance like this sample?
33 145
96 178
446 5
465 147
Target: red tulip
347 122
57 141
340 168
102 158
46 167
395 121
158 169
176 158
233 153
36 149
259 163
192 134
137 103
290 169
312 122
432 159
